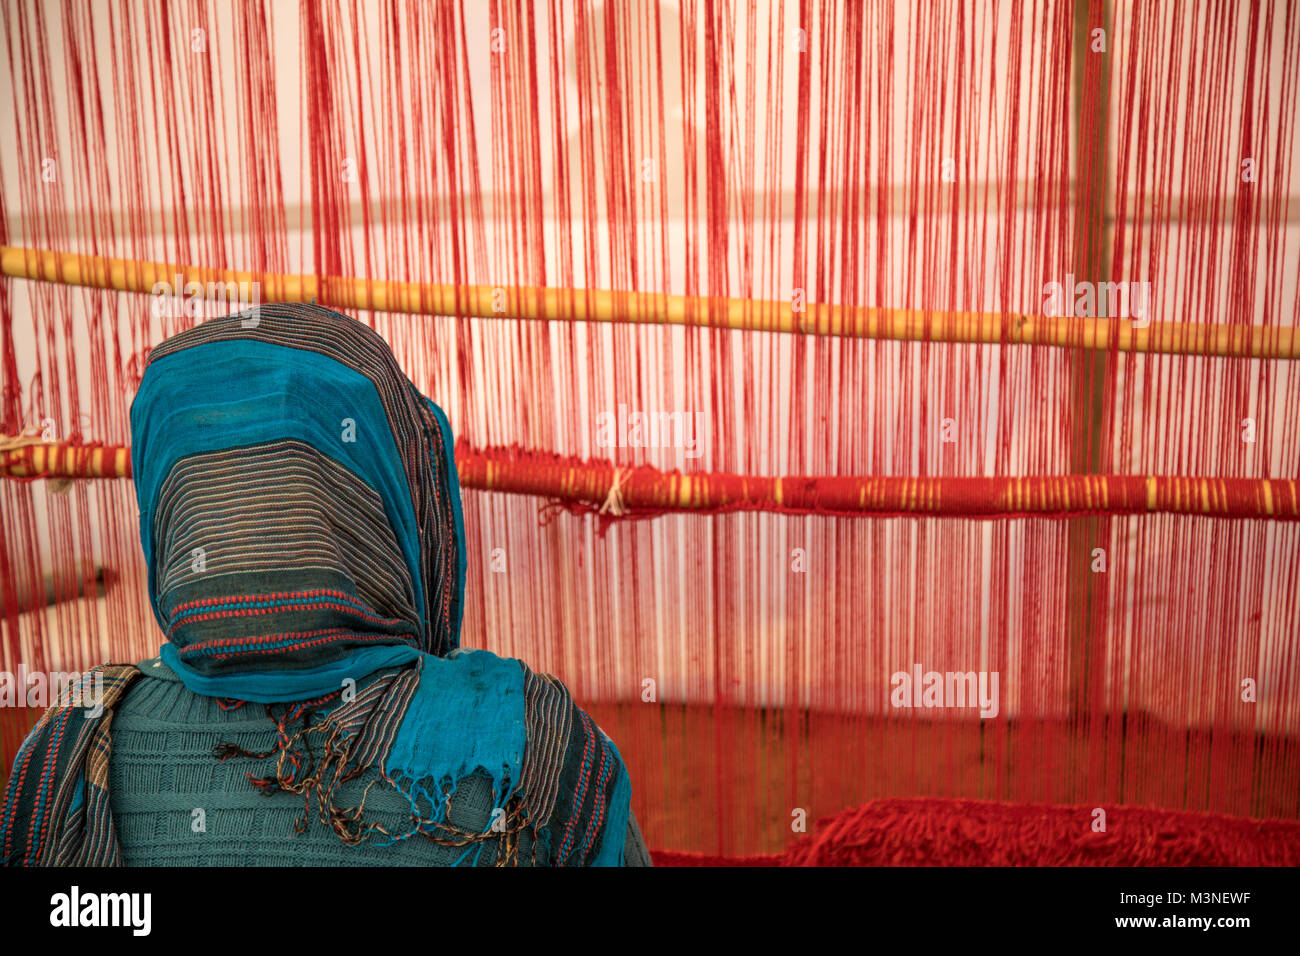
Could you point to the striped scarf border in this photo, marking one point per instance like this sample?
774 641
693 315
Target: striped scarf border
549 718
65 748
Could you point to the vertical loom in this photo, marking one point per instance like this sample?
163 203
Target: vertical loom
819 238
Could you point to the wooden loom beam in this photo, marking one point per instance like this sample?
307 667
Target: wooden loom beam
643 490
577 305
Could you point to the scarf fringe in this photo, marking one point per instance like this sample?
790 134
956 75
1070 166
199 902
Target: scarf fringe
297 771
430 818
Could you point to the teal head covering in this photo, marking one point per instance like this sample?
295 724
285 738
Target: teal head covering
299 508
300 518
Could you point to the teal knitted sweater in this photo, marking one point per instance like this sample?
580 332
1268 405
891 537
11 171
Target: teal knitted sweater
175 804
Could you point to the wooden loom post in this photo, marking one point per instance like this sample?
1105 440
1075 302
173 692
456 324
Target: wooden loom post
1086 591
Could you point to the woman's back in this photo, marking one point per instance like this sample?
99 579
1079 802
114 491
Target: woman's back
175 804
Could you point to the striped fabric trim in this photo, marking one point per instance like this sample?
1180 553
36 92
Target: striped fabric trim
549 718
231 522
380 728
596 821
250 605
265 510
583 783
592 778
368 723
65 749
286 643
90 838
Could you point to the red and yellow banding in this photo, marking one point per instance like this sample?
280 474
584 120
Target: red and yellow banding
586 485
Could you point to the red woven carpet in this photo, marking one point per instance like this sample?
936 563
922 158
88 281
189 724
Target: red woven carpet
934 832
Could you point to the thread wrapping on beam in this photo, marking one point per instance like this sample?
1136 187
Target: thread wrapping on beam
612 492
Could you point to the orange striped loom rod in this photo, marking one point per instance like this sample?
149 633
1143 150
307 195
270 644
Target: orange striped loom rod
604 488
575 305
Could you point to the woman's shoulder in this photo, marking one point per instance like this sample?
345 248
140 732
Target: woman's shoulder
567 776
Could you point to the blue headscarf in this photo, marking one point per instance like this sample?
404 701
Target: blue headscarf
299 508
